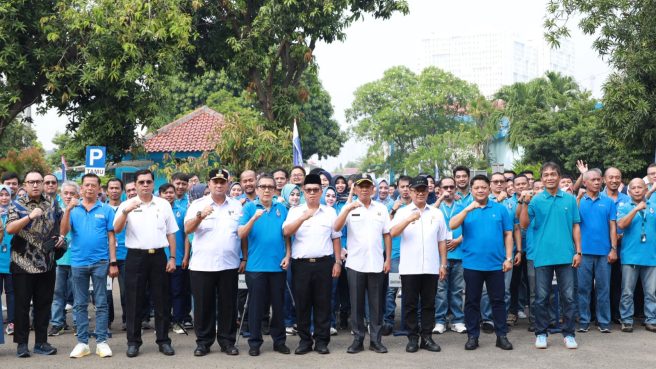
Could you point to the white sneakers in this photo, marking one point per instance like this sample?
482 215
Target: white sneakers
459 327
439 328
82 349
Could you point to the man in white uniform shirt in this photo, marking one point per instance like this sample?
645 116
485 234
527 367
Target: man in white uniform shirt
368 226
215 265
423 257
316 252
149 226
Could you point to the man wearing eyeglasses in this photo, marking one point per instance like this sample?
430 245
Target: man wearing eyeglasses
450 290
150 226
34 221
423 260
316 260
267 258
215 265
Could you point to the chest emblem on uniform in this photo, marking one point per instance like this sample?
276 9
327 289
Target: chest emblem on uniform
379 214
278 212
230 212
494 215
651 210
177 214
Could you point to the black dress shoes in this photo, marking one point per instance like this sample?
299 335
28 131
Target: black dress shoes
355 347
503 343
254 351
472 343
201 350
282 348
321 348
166 349
230 350
377 347
303 349
413 344
132 351
427 343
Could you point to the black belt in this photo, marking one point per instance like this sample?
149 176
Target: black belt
314 260
147 251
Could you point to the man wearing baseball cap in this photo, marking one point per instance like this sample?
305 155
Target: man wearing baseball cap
368 226
423 234
215 265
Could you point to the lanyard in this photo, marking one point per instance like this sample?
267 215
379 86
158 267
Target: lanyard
643 235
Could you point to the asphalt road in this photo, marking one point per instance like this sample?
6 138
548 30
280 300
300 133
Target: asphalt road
596 350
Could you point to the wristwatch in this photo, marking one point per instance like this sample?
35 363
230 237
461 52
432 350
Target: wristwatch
199 214
113 263
509 260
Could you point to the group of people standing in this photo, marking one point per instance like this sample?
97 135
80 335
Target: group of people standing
316 249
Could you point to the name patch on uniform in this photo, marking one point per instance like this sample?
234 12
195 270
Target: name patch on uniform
101 216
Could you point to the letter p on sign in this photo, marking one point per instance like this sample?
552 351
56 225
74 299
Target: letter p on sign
95 160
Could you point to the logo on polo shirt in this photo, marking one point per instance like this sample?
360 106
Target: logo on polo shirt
651 210
101 216
278 212
177 214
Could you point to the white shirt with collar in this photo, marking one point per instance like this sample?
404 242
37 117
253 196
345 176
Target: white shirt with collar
146 227
364 229
314 238
216 245
419 240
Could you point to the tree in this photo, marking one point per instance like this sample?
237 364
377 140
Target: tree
244 142
27 159
18 135
552 119
94 61
423 120
625 34
68 146
269 44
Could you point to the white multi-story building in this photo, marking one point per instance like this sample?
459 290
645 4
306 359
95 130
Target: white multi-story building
495 59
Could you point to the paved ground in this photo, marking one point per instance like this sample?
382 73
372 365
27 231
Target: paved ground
596 350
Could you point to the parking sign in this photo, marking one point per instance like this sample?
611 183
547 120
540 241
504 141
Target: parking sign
95 160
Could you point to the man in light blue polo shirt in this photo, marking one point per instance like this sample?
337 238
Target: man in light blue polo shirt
267 258
486 256
638 254
92 247
461 175
599 247
556 248
450 291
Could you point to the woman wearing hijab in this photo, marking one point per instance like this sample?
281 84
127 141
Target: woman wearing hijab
235 190
326 179
329 197
197 191
290 195
5 275
382 193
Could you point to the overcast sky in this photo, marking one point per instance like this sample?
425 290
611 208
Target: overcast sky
372 46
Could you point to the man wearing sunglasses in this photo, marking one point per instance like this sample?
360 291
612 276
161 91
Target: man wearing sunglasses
316 261
150 226
215 265
50 187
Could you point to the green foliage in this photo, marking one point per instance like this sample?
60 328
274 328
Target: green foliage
95 61
426 119
244 141
27 159
552 119
625 34
70 147
18 135
520 166
200 166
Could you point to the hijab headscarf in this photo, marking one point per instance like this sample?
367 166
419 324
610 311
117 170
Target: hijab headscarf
323 195
341 196
287 191
388 199
3 209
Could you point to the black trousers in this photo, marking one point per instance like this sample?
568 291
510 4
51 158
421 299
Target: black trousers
265 288
419 288
146 272
518 274
374 285
205 288
38 288
496 290
313 283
